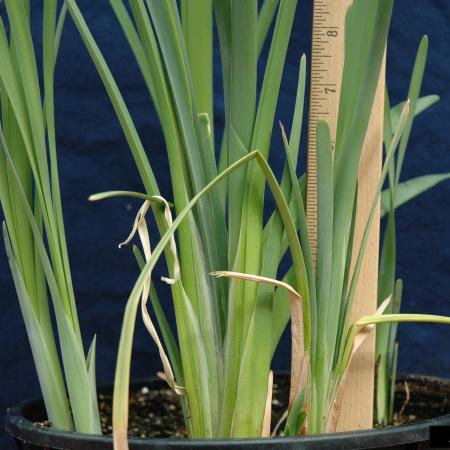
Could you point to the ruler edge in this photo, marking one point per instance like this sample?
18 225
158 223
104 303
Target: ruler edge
352 410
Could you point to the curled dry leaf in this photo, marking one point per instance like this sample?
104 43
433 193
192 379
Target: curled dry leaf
257 279
140 226
173 245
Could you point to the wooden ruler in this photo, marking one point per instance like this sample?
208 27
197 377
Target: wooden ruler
327 61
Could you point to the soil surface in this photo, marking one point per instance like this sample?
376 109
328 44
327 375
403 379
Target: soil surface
420 398
156 412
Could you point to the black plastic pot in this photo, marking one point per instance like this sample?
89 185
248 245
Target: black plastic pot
20 424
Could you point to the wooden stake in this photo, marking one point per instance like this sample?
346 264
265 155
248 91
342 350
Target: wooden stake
357 406
327 63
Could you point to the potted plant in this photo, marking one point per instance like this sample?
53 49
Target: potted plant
222 257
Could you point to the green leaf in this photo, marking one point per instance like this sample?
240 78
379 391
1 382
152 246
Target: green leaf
396 304
243 296
390 318
83 405
49 57
113 194
274 241
265 19
116 98
83 399
90 365
389 154
386 281
423 103
407 190
168 121
393 383
413 95
366 29
60 27
240 109
136 46
122 377
254 368
197 20
200 157
44 351
324 244
296 417
124 355
325 216
381 319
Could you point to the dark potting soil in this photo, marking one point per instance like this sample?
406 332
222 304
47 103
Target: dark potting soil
156 413
420 398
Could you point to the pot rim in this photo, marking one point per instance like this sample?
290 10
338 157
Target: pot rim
23 429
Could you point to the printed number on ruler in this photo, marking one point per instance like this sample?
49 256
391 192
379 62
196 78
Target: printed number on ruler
327 60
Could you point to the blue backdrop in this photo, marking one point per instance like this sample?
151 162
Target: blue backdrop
94 157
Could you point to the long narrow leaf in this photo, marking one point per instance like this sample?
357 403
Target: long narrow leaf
413 95
84 407
44 352
423 103
407 190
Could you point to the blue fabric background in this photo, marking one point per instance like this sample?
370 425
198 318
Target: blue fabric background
94 157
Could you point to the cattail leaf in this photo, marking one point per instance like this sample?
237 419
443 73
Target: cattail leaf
408 190
85 410
43 349
395 141
413 95
423 103
265 19
296 416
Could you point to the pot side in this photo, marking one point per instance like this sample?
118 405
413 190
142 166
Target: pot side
20 421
